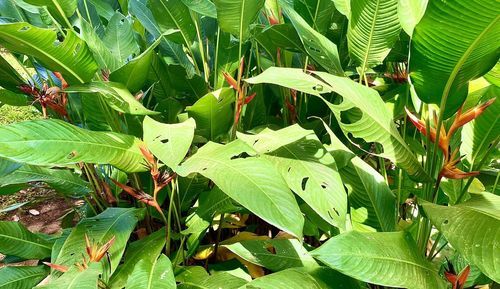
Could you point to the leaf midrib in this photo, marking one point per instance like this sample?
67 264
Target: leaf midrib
44 53
370 38
38 274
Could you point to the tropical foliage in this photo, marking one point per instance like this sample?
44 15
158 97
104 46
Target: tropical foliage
255 144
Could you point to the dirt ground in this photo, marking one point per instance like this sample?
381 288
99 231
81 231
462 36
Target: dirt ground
43 213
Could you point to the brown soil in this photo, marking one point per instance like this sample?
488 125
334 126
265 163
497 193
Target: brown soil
50 205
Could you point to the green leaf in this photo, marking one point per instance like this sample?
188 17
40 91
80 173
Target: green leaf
320 48
213 113
64 181
479 134
12 98
71 58
9 77
103 56
149 275
169 142
298 278
20 277
117 222
375 124
472 228
7 167
173 14
220 280
147 249
308 169
444 59
76 279
236 16
61 10
16 240
410 12
344 7
319 13
203 7
280 35
275 255
252 181
119 38
387 259
372 203
54 142
373 30
116 95
135 73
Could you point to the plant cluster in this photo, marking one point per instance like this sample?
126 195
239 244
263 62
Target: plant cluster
255 143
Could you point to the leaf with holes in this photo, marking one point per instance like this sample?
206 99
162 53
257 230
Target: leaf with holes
375 124
320 48
308 169
71 57
251 181
444 59
387 259
119 38
169 142
16 240
373 30
372 203
472 228
54 142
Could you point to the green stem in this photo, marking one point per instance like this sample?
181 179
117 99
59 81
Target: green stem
200 46
169 216
434 246
496 183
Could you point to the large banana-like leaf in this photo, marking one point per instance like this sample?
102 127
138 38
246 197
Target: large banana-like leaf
54 142
63 181
373 29
173 14
344 7
12 98
152 275
472 228
236 16
444 59
114 222
375 125
308 169
147 249
479 134
20 277
318 13
299 278
203 7
251 181
16 240
119 37
169 142
388 259
61 10
116 96
71 57
275 255
372 203
410 12
320 48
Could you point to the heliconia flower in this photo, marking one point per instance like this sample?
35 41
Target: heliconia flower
147 154
139 195
60 268
421 127
457 281
249 98
64 84
96 253
471 114
231 81
450 170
